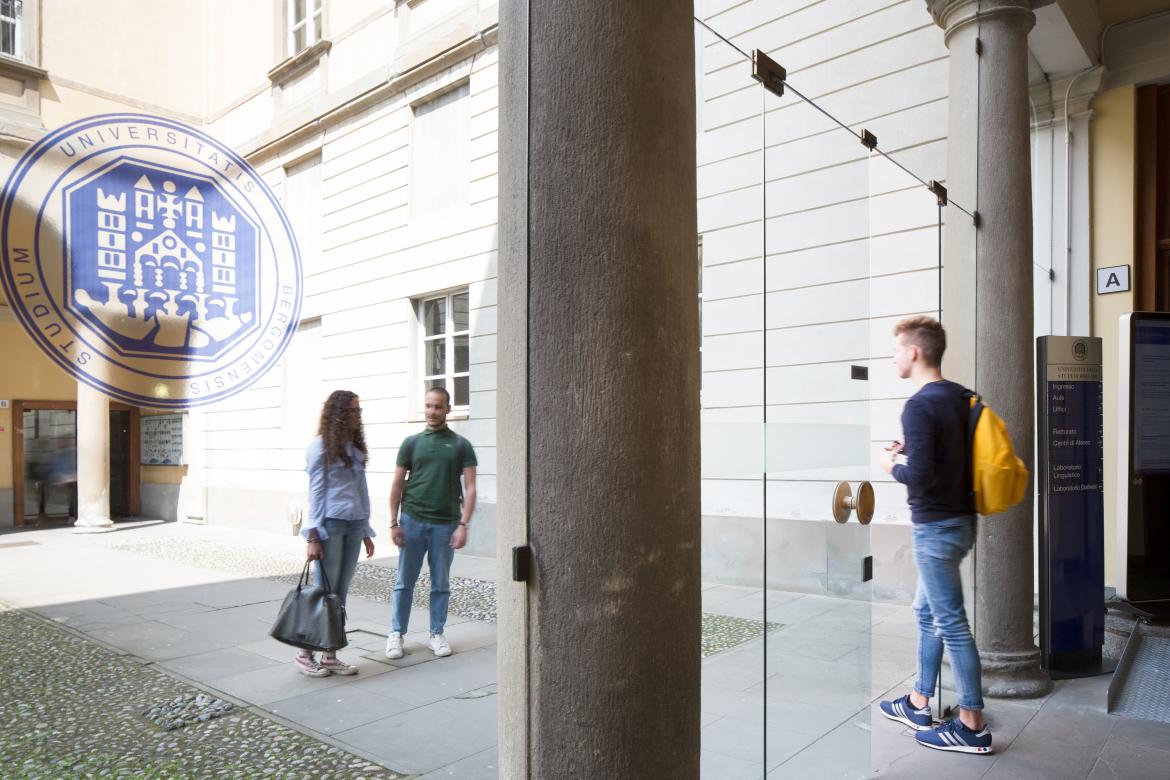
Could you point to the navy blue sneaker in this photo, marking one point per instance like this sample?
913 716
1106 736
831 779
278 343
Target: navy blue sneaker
954 736
903 711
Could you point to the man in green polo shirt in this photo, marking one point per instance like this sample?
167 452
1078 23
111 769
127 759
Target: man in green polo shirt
435 512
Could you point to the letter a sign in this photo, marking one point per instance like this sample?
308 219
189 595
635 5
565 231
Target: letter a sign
1113 279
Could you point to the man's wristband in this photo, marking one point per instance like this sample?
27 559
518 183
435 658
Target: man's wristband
465 525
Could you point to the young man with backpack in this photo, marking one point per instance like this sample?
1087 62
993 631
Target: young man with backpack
435 513
937 472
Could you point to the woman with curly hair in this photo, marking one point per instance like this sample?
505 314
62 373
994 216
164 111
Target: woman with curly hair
338 524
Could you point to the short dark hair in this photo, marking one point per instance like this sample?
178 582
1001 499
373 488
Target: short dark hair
927 334
440 389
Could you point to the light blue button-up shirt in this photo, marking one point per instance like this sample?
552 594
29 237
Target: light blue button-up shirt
347 496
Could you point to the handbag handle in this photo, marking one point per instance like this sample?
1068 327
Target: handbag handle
304 580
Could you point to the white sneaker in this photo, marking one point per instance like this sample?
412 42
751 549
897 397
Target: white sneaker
439 646
394 645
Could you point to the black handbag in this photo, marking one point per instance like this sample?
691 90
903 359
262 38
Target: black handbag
311 616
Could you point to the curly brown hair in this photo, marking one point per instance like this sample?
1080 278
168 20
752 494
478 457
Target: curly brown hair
338 427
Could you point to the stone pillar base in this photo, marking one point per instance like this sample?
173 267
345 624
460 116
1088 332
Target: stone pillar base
1014 675
92 525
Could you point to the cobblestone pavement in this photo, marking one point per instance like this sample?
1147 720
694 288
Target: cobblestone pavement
471 598
70 708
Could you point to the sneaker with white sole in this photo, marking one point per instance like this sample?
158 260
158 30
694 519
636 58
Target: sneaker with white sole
336 666
439 646
308 665
902 711
952 735
394 646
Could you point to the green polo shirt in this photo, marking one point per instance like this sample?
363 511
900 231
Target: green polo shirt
435 461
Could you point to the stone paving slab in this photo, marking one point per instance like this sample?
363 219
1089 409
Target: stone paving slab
219 663
337 709
471 598
73 708
481 766
114 590
1067 734
1132 763
442 679
410 736
264 686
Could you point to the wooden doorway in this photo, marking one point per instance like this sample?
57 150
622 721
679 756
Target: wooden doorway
41 459
1152 207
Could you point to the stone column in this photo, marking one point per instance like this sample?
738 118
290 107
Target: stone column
93 460
598 404
988 169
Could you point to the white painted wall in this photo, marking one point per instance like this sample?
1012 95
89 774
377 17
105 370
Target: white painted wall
852 245
370 250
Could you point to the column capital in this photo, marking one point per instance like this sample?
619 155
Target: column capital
952 15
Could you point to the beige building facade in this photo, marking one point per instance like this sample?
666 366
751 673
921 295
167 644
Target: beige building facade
376 123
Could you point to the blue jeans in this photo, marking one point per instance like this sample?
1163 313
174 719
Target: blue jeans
339 554
434 541
939 548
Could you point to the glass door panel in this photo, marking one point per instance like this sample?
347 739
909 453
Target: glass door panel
905 235
730 197
812 245
50 464
819 444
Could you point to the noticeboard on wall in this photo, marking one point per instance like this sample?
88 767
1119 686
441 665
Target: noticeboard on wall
162 440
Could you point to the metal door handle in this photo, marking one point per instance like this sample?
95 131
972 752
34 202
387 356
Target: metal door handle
844 503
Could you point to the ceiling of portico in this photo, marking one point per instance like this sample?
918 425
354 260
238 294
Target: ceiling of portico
1068 37
1116 11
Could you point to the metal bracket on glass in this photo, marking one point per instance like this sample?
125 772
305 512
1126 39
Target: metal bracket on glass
768 72
939 191
844 502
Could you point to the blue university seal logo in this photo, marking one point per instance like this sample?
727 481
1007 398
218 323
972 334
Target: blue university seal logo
149 260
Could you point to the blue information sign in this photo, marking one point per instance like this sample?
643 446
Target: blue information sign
1072 510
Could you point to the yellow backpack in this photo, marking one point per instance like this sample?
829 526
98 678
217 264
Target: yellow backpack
1000 478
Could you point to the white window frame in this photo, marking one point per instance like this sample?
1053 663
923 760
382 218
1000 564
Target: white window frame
448 335
17 30
313 12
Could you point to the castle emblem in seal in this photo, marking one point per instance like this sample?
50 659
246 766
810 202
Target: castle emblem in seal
149 260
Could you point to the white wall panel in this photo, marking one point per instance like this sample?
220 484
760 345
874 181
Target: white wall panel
819 265
730 173
735 315
732 243
732 352
842 301
731 280
833 341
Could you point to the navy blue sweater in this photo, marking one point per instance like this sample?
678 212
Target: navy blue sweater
937 472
